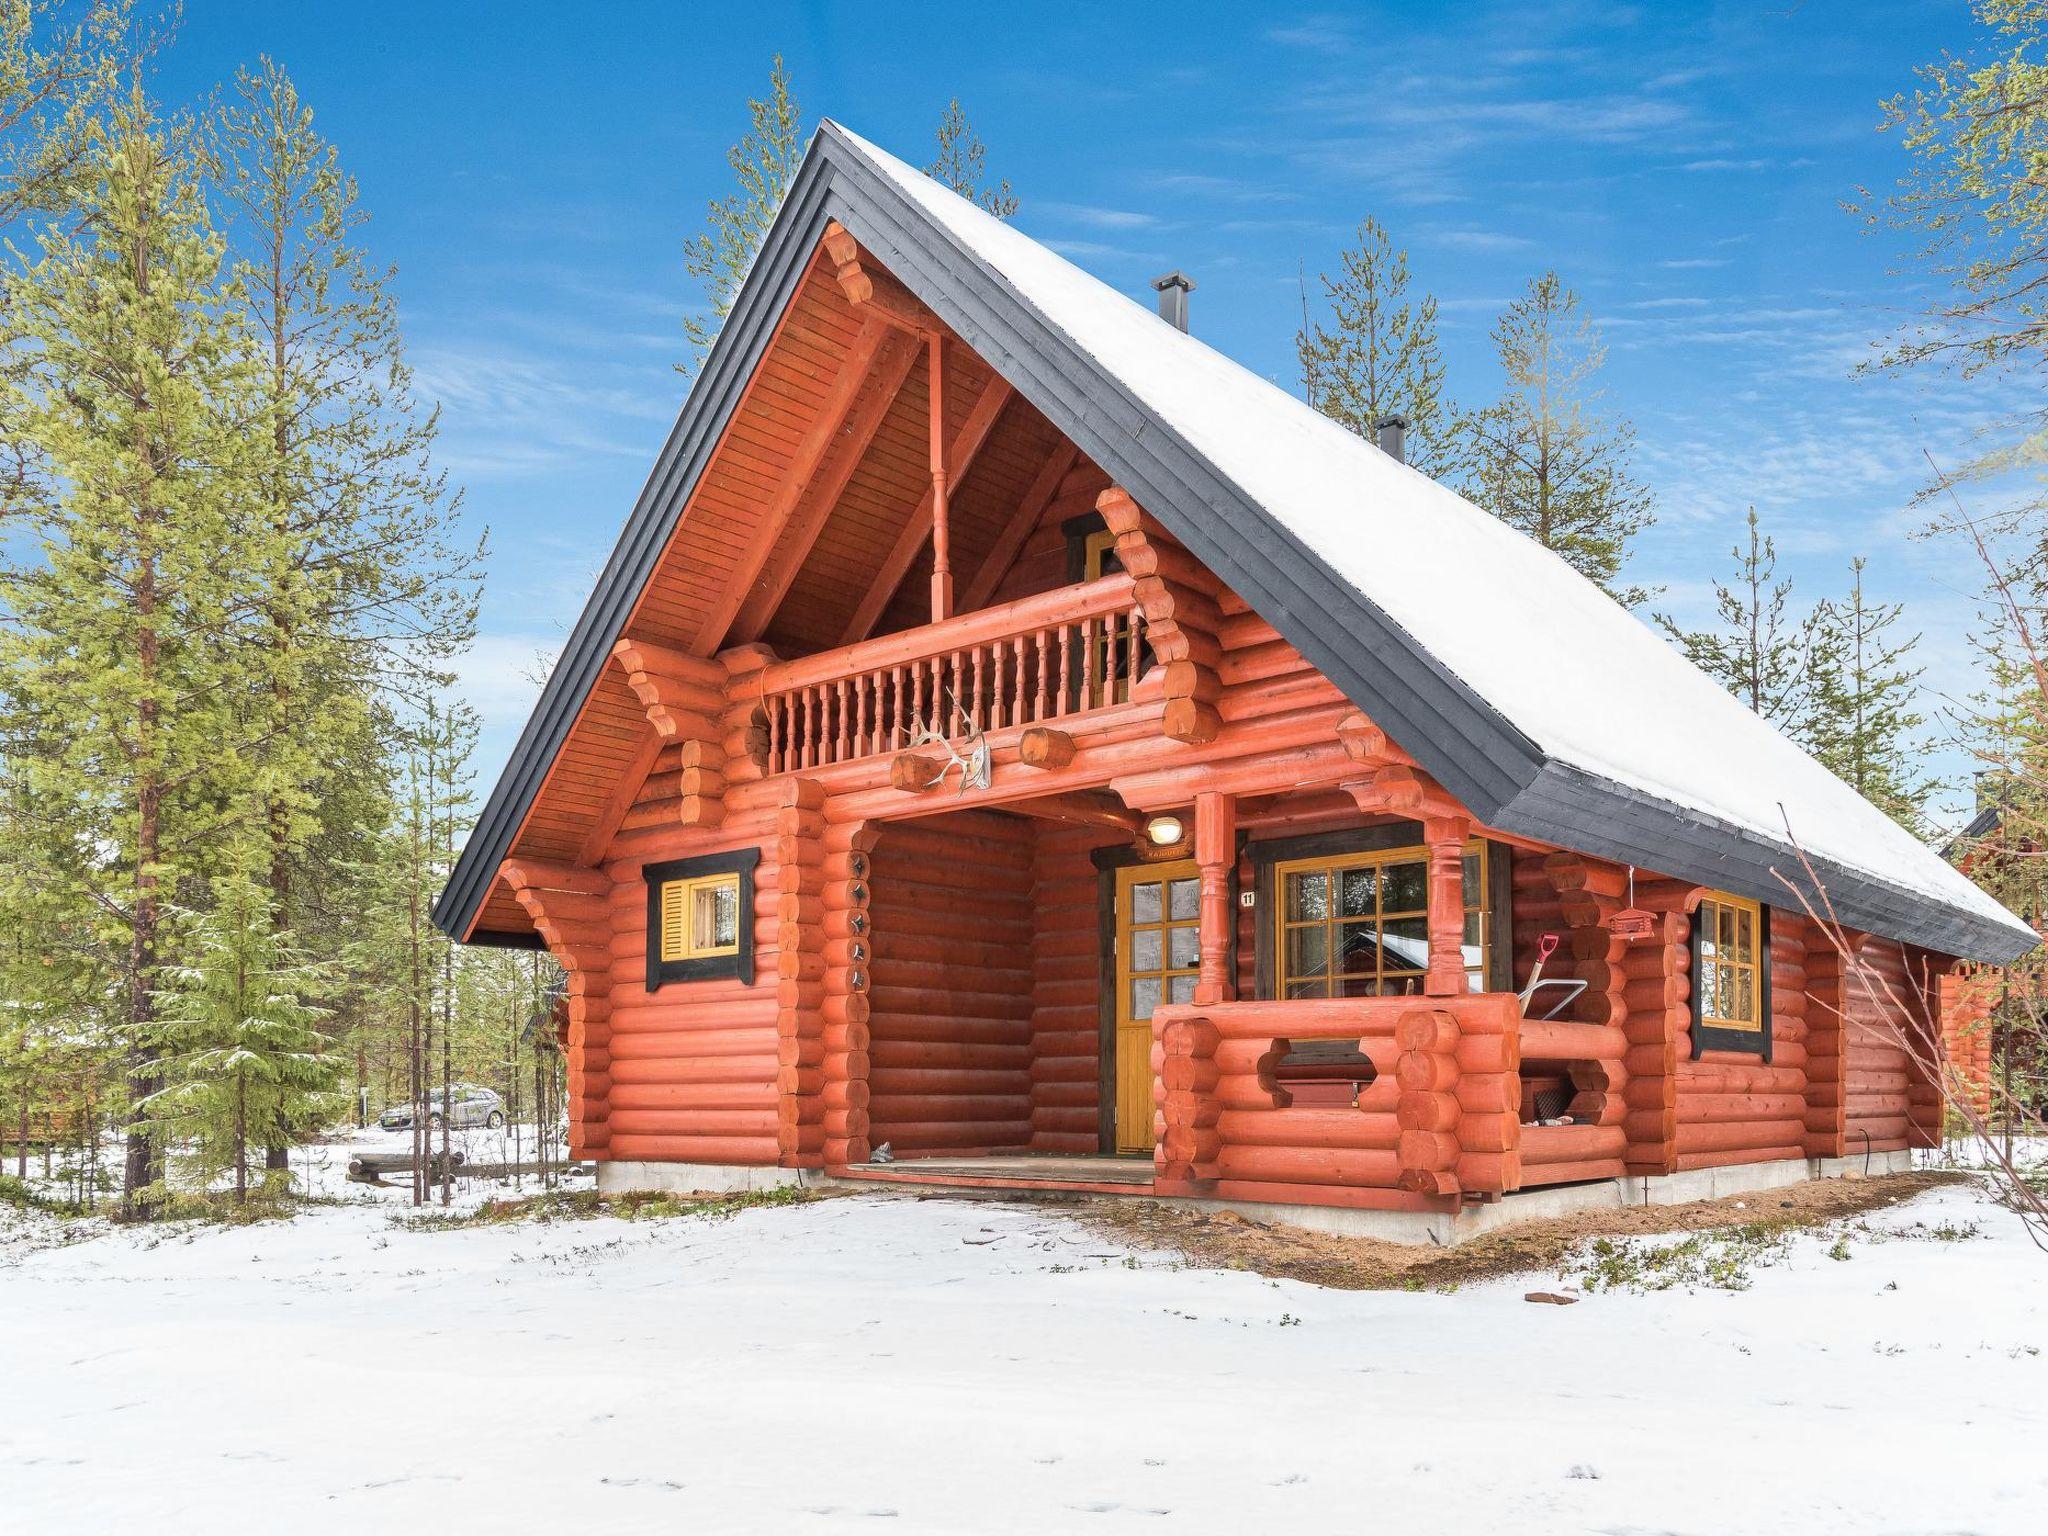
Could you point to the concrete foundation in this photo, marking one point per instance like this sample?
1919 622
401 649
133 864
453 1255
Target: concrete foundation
1437 1227
1448 1227
692 1178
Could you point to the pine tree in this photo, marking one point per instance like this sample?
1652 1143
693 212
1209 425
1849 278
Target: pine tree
1760 652
1540 459
1861 720
763 162
961 164
364 589
239 1038
132 405
60 68
1378 354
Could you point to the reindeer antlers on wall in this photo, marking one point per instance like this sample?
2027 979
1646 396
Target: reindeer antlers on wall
973 764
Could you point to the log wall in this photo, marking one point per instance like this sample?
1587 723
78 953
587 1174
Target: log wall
693 1065
950 1054
1890 1100
1066 991
1734 1107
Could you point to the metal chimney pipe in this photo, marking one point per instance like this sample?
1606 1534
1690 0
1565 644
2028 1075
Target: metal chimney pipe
1391 433
1174 289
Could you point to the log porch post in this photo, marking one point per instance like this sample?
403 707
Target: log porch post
1215 853
1446 836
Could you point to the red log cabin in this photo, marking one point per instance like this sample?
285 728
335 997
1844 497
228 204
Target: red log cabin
1011 744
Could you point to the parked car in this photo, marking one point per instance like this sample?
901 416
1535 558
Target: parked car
464 1103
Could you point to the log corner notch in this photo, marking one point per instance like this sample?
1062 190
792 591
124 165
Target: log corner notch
1178 598
1642 989
1459 1112
687 701
570 908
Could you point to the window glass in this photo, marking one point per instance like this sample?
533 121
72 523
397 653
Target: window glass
1728 991
1356 925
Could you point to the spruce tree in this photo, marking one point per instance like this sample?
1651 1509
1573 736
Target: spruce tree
1377 354
1861 720
132 407
1759 652
1541 459
763 163
962 164
239 1039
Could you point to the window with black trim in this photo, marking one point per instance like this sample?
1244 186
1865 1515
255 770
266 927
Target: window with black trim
1731 975
700 918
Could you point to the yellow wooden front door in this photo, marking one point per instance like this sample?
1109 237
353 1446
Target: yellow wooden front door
1158 952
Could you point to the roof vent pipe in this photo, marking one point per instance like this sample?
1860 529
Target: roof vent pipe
1391 432
1174 289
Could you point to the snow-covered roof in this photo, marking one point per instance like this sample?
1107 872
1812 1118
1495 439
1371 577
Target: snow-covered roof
1538 701
1583 678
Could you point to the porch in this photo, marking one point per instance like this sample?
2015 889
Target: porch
1063 1006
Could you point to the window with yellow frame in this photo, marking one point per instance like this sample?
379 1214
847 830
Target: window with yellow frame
698 918
1357 924
1731 975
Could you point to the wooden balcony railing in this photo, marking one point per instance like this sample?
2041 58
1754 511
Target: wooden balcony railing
1038 659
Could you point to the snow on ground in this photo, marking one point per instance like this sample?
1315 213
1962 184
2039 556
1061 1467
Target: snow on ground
963 1367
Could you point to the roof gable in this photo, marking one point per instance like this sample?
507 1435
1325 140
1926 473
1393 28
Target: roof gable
1470 645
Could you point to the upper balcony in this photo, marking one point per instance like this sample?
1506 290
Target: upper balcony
1039 660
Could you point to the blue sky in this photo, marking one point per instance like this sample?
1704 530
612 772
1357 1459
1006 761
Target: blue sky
532 171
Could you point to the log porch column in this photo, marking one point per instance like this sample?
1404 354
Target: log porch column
1446 836
1215 853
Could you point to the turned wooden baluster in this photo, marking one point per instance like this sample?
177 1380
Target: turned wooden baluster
975 718
897 735
1038 702
842 745
1066 669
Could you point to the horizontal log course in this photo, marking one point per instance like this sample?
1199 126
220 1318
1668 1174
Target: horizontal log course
1299 1165
1243 1090
947 1052
692 1096
1553 1040
944 1139
706 1044
694 1122
1309 1129
1050 1072
886 1108
1706 1136
637 1146
1542 1145
1587 1171
1006 972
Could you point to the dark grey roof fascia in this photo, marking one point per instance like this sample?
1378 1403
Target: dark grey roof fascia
721 382
1580 810
1478 755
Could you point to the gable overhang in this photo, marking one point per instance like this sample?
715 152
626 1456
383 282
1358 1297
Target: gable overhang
1495 769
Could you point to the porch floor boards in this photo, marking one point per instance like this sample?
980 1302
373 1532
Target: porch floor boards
1100 1174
